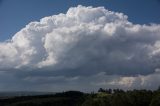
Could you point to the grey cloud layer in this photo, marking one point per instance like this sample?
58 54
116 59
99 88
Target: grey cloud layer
84 41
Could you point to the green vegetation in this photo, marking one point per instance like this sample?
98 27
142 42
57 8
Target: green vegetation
104 97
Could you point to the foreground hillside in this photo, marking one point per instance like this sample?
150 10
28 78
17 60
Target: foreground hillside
107 97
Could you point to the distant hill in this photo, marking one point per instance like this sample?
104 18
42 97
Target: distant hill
22 93
70 98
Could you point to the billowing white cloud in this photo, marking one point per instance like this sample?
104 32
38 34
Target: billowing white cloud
150 81
84 42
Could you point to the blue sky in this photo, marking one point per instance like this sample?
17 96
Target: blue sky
15 14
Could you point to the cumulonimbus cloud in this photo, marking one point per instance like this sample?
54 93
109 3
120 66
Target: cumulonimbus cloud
84 41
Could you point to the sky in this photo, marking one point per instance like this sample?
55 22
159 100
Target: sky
57 45
15 14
